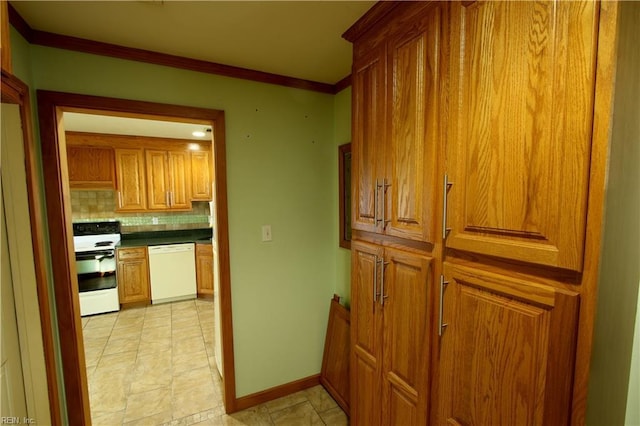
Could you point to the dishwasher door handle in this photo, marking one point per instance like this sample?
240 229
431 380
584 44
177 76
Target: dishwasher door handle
171 248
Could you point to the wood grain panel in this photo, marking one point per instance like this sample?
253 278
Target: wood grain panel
414 118
91 168
204 269
334 375
5 42
130 180
366 335
180 180
368 138
133 275
505 359
406 338
201 176
157 180
520 129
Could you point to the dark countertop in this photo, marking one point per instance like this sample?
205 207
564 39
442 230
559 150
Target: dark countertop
141 239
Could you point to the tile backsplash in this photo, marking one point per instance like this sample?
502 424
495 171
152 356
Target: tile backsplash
92 206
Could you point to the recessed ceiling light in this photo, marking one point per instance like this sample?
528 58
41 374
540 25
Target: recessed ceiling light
199 134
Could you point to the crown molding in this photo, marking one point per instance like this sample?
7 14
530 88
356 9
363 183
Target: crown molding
77 44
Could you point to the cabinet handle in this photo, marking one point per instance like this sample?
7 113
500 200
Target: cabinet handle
119 199
385 185
166 198
375 205
445 190
383 265
441 325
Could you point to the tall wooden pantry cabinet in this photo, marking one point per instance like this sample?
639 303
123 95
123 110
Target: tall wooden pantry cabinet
479 129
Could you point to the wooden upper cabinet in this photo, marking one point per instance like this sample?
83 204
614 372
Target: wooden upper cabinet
201 176
91 167
130 179
157 179
5 42
507 352
367 148
521 109
396 111
168 180
180 179
413 127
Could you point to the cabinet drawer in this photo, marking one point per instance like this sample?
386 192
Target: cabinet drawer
132 253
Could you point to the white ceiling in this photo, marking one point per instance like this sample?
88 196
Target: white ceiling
111 125
299 39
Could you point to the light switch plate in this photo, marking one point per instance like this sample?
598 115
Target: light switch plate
266 232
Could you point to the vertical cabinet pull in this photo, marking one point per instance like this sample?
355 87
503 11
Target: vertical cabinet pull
441 324
445 189
379 185
120 199
385 185
383 296
375 208
166 198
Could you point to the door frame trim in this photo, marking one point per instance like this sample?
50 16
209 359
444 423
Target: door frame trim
51 106
14 91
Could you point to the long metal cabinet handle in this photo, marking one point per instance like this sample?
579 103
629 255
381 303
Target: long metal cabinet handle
375 208
441 325
385 185
445 190
383 264
120 199
166 198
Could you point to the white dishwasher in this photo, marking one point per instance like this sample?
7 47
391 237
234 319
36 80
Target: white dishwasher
172 269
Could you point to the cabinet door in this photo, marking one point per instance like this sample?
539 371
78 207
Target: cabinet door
507 352
91 168
201 176
414 115
204 268
157 180
405 376
130 179
133 275
180 180
522 78
367 148
366 334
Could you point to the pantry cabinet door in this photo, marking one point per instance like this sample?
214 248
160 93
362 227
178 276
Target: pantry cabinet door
367 148
130 180
415 62
521 108
407 342
366 333
507 352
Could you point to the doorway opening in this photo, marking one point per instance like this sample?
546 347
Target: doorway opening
52 106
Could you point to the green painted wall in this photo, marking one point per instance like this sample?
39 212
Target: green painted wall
342 135
280 161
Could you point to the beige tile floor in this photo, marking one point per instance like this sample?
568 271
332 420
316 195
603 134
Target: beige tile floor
155 366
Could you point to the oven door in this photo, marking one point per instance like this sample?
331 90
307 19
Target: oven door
96 261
